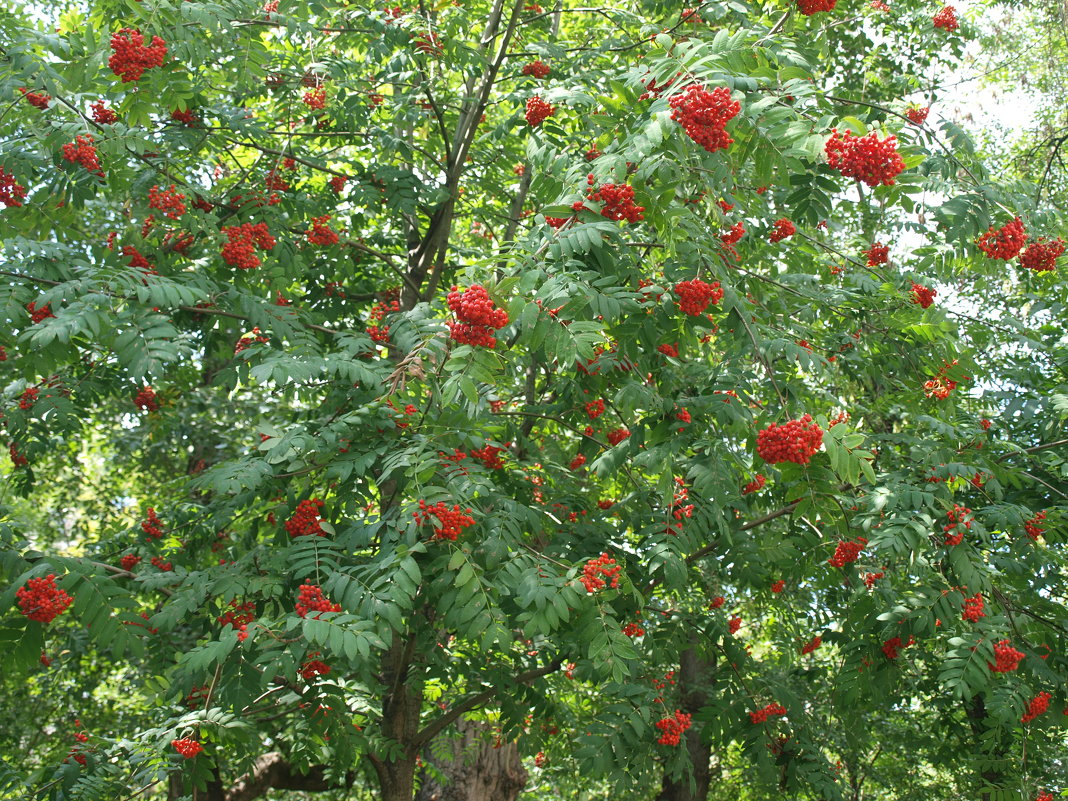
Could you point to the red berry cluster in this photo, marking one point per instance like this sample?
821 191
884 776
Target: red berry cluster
38 313
337 183
42 600
946 19
538 111
871 578
847 551
29 397
1037 706
768 711
166 567
81 151
734 624
314 667
633 630
102 115
38 99
704 115
311 599
617 435
378 332
877 254
186 747
733 237
537 69
1007 658
781 230
1034 527
755 485
864 158
695 295
451 522
305 520
131 57
973 608
489 455
11 191
248 340
917 114
477 316
146 400
811 645
940 387
242 241
239 616
680 510
315 98
960 520
794 441
17 459
893 645
429 43
129 561
1004 242
1040 256
167 200
617 201
922 295
577 462
320 233
810 7
778 586
597 572
595 408
138 259
672 728
152 526
188 117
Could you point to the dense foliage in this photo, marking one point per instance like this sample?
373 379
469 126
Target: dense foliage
665 397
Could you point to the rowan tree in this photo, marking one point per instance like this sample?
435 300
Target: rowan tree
461 400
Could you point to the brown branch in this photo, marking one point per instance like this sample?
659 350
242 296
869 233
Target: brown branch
273 771
435 727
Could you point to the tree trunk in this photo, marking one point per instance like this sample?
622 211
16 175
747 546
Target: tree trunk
471 769
695 678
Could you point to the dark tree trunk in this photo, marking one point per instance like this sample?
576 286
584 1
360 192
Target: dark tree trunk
471 768
694 680
991 774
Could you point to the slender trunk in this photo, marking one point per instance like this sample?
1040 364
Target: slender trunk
991 775
473 768
694 680
402 703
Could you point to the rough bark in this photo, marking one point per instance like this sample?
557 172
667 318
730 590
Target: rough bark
694 679
471 768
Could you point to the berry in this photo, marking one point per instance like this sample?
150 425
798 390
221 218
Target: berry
695 295
782 229
794 441
892 646
595 408
248 340
810 7
477 316
1040 256
38 99
577 462
917 114
537 69
1005 242
755 485
538 111
129 561
39 313
1007 658
337 183
311 599
734 624
315 98
188 118
42 600
597 572
305 520
146 400
672 728
158 562
320 233
946 19
617 201
761 715
669 350
29 397
1033 527
617 435
864 158
704 115
847 552
11 191
716 602
17 459
81 151
922 295
960 520
732 237
778 586
811 645
167 200
633 630
187 748
451 522
131 58
242 241
1037 706
877 254
973 608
